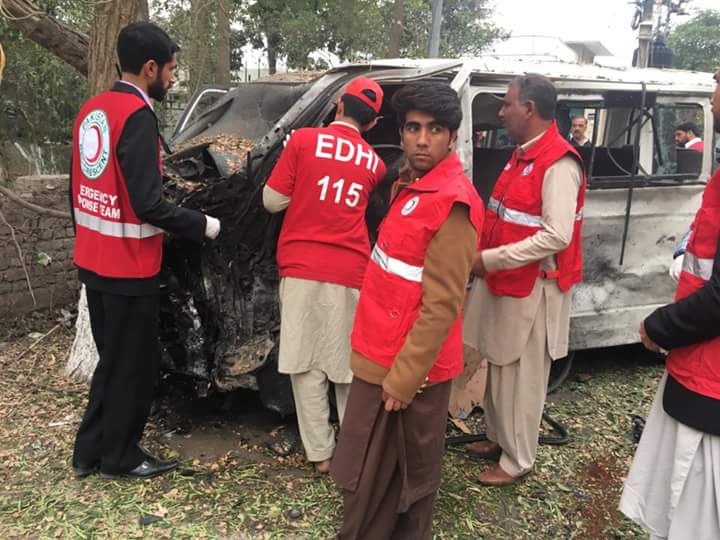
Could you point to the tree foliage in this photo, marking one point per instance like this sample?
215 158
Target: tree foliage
360 29
40 93
696 42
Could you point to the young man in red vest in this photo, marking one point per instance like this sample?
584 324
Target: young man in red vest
407 337
673 488
518 313
324 179
120 216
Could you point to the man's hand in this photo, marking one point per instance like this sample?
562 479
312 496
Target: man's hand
676 267
393 404
478 267
649 344
212 227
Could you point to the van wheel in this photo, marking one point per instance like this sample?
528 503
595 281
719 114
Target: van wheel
559 372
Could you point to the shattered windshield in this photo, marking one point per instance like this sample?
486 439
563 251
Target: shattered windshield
248 111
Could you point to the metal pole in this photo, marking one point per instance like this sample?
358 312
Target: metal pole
645 34
434 45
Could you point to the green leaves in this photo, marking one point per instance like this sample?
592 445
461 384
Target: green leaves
696 42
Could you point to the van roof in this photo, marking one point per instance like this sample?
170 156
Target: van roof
669 79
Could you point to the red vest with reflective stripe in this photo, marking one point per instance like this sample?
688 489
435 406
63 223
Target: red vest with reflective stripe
391 293
514 213
110 239
697 367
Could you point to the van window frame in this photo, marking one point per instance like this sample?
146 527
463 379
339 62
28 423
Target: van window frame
647 146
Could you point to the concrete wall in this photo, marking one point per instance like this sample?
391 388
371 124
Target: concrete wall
39 237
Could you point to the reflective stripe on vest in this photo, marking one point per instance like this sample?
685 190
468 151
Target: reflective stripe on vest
115 228
700 268
520 218
396 266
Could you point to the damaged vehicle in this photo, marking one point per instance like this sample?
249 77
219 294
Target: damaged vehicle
220 320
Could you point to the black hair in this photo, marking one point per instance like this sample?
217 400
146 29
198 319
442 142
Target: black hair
140 42
576 116
435 98
541 91
358 110
689 126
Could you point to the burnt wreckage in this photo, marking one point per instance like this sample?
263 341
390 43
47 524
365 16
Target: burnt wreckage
220 318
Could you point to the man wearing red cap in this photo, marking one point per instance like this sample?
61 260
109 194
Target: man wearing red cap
323 180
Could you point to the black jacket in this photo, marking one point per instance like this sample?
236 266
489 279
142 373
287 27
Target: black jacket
137 155
694 319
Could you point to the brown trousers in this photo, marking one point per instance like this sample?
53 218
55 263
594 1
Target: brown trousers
388 465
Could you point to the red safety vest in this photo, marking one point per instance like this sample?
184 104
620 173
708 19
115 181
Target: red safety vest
697 367
391 293
110 239
514 213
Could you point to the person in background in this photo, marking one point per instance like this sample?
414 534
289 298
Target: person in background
323 180
407 337
518 313
120 216
687 135
673 488
578 127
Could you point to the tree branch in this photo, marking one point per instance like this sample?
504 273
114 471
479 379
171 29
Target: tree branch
64 42
34 207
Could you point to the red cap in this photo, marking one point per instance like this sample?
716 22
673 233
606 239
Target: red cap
356 87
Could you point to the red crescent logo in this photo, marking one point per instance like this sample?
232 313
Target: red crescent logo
99 146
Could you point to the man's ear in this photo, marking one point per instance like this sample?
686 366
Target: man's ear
453 139
402 143
339 109
150 69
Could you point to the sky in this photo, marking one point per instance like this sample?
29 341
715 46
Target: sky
607 21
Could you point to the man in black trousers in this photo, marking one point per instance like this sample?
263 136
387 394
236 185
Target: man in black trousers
120 217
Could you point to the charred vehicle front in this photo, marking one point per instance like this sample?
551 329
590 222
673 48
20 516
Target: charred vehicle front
220 322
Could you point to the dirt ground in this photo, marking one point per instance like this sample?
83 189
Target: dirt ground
233 482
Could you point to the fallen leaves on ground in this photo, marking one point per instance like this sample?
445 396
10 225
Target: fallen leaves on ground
252 493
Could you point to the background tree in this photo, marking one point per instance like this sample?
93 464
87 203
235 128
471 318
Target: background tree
364 29
109 18
696 42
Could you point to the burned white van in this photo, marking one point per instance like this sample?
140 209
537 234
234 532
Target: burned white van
221 323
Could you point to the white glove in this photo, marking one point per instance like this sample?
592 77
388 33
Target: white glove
212 227
676 268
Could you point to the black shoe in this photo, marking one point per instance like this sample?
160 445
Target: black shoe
82 470
153 459
149 468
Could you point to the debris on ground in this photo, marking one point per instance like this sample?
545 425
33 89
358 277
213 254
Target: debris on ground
242 488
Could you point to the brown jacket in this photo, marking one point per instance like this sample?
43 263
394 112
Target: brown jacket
445 272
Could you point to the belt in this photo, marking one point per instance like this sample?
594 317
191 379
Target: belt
554 274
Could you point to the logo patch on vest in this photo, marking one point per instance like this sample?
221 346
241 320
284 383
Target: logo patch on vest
410 206
527 170
94 138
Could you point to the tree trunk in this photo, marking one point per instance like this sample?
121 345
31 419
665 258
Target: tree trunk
110 18
83 353
223 42
272 40
396 29
199 57
67 44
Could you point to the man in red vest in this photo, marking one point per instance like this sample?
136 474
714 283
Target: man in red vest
687 135
407 337
673 488
324 179
120 216
518 312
